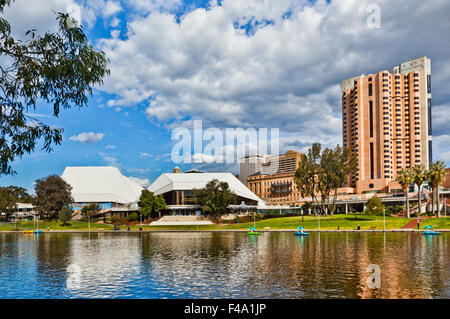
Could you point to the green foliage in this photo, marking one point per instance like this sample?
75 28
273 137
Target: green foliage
435 178
393 210
420 175
115 220
91 210
146 203
52 194
159 204
10 196
56 68
7 202
322 173
150 204
214 198
133 217
65 215
405 177
374 206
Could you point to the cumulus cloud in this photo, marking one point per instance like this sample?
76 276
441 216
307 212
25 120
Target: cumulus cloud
144 182
137 170
269 63
87 137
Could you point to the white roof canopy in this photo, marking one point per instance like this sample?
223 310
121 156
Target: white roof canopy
187 181
101 184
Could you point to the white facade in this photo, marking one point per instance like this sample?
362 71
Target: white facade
101 184
188 181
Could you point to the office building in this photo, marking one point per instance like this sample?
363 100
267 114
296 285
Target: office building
387 123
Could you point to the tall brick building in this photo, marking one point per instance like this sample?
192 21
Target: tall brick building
387 122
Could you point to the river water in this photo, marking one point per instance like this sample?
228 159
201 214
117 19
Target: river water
224 265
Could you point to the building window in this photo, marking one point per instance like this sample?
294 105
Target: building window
372 173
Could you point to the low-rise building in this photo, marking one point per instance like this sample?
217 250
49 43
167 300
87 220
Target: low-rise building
178 190
103 185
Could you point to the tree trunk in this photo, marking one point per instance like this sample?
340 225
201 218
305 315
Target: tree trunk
407 204
433 206
437 202
420 203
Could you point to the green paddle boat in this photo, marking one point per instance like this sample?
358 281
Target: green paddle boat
253 232
301 232
429 231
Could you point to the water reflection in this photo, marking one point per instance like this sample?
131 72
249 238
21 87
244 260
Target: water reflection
224 265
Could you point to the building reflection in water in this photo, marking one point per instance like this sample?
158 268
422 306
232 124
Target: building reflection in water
225 265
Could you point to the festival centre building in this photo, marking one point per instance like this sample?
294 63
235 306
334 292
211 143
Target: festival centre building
104 185
177 190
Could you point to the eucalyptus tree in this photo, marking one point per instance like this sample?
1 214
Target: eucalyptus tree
405 178
307 174
58 69
321 174
214 198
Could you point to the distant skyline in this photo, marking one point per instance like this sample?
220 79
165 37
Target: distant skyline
253 63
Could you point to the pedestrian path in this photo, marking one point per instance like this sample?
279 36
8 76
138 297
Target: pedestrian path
412 224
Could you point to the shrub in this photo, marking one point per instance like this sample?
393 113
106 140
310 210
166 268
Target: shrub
115 220
65 215
132 217
374 206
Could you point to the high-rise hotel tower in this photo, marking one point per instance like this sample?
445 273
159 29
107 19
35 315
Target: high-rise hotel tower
387 122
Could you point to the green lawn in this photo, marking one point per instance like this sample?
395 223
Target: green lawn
43 225
438 223
345 222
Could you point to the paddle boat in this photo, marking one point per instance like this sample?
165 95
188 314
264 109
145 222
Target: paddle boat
301 232
429 231
253 232
38 231
26 231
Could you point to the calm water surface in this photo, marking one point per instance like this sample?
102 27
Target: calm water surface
223 265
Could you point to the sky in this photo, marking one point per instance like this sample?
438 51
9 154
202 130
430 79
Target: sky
250 64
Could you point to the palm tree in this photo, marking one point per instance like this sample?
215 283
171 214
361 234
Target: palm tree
420 176
405 178
436 177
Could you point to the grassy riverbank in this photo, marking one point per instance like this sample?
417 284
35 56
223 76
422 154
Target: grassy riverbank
53 225
344 222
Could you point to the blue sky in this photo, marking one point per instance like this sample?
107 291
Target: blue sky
254 63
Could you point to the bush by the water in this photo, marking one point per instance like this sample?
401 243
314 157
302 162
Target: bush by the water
133 217
65 215
374 206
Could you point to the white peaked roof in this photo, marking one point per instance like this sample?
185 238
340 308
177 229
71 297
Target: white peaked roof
187 181
101 184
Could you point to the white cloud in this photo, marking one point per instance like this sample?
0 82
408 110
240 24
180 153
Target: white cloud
143 154
137 170
88 137
285 73
25 15
110 147
147 6
111 161
445 157
144 182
